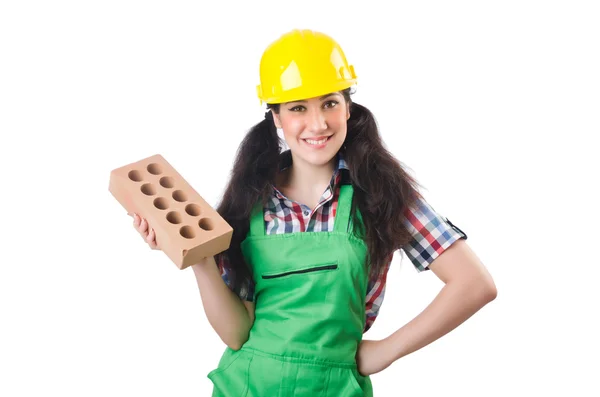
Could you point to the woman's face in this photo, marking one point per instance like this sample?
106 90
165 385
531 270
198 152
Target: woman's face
315 128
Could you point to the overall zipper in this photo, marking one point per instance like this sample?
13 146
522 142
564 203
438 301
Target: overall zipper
312 269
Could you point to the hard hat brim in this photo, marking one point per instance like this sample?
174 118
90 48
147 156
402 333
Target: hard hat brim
303 93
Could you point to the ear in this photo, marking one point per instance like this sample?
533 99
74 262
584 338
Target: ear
276 119
347 111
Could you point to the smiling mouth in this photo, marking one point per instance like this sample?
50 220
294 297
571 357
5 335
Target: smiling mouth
316 141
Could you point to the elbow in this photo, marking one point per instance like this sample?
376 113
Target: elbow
236 341
491 292
485 290
235 346
235 335
478 290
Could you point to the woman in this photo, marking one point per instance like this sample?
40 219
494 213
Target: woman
315 229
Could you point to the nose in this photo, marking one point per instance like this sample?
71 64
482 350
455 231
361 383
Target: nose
316 121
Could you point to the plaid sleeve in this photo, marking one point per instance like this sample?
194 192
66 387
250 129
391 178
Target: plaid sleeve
432 234
247 290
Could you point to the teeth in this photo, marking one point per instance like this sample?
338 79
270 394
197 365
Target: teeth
316 142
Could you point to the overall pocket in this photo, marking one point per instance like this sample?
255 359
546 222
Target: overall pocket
230 379
311 269
343 382
224 364
362 383
357 388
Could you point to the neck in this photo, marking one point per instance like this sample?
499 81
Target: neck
310 178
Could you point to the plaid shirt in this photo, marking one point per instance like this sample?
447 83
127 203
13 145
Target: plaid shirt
432 233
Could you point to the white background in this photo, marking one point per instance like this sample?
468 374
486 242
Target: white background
492 107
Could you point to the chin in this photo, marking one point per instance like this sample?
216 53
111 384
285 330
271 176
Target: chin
319 159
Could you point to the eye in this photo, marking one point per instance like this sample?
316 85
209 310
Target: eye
330 104
298 108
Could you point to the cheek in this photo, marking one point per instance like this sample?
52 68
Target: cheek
291 126
338 123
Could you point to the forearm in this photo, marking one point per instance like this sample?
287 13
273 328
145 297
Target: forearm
225 311
454 304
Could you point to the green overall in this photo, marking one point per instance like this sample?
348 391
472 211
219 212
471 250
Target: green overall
310 314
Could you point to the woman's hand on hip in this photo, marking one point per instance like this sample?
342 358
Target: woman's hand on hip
373 356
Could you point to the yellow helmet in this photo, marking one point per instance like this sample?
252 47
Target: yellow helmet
303 64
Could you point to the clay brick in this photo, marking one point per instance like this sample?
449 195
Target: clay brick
187 228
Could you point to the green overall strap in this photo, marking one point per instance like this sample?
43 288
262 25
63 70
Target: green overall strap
342 214
257 220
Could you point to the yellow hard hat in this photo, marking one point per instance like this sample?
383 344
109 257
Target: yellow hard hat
303 64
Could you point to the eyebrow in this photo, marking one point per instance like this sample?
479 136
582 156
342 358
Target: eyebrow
320 98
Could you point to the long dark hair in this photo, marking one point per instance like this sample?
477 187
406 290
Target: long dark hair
383 189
